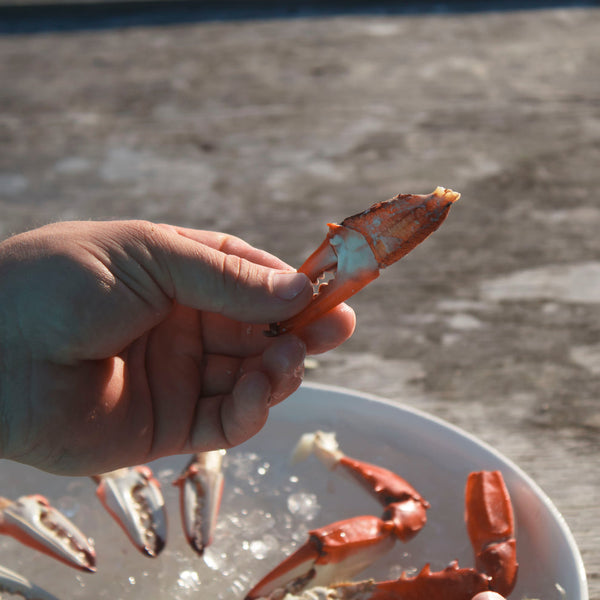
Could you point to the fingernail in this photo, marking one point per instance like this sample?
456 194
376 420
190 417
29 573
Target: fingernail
289 285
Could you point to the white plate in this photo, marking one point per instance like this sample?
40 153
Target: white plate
261 489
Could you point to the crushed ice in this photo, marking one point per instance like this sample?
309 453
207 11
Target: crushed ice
189 580
264 547
303 505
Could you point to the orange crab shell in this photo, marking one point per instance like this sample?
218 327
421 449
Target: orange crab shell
394 227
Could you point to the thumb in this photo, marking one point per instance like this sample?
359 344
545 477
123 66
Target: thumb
205 278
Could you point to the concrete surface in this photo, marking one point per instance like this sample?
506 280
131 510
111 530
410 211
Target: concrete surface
269 130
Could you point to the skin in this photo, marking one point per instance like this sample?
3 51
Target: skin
124 341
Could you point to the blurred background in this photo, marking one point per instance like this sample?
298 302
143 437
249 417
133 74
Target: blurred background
268 120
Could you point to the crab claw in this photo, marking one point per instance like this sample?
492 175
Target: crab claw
490 524
201 489
365 243
35 523
332 553
13 583
134 499
404 506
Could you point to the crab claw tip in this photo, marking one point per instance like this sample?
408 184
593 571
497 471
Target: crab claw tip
446 194
134 499
201 489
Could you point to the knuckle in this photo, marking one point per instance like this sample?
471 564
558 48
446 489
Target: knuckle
238 275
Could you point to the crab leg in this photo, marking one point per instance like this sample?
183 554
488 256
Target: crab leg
404 506
201 489
451 583
33 522
440 588
13 583
363 244
134 499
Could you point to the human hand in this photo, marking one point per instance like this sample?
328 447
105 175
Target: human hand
124 341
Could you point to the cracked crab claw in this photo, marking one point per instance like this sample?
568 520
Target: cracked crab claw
201 489
33 522
134 499
362 244
15 584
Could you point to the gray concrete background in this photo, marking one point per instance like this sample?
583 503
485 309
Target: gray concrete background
270 129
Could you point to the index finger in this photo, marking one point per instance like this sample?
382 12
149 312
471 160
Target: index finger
231 244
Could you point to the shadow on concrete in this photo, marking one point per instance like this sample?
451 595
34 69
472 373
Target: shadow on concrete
19 18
